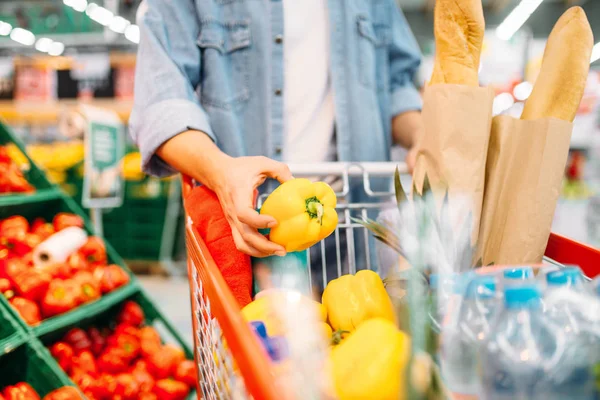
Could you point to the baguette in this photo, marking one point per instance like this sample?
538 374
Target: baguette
459 28
561 82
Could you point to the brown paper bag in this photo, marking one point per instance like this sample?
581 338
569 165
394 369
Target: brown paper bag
454 147
525 168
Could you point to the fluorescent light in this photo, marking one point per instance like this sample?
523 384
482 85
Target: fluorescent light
119 24
56 49
43 44
596 53
99 14
77 5
502 102
5 28
132 33
522 91
517 18
22 36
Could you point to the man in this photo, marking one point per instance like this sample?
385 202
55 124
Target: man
225 90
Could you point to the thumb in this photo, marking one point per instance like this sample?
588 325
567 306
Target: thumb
277 170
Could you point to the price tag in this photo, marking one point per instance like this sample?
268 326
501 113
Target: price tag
104 143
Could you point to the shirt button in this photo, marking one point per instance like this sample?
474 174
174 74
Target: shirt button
279 39
278 150
277 92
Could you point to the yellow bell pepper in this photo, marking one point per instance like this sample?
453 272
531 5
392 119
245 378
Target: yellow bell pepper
371 362
305 213
352 299
132 167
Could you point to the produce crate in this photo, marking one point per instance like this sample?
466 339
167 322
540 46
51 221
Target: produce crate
107 316
12 334
45 190
31 363
47 210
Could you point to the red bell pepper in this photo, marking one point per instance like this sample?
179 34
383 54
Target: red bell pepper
94 251
113 361
186 372
11 267
147 396
85 362
32 284
98 341
21 391
77 262
5 285
64 393
131 314
127 387
162 364
17 246
111 277
4 156
42 228
89 288
129 344
61 297
2 397
16 226
12 180
128 330
27 309
169 389
66 220
78 339
63 354
150 342
59 270
103 388
143 377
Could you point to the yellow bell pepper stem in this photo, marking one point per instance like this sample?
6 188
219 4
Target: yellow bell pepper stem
315 209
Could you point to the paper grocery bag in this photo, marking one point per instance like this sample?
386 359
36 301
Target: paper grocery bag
454 147
525 168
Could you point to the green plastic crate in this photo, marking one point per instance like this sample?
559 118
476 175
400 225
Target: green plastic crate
30 363
47 210
35 176
11 333
106 317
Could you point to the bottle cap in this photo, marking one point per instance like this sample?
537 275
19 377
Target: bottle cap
565 276
522 273
481 287
277 348
524 296
260 329
461 282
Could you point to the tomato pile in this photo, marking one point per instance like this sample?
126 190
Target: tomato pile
38 293
11 177
23 391
125 362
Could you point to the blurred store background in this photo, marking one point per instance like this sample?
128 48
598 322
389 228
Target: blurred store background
56 54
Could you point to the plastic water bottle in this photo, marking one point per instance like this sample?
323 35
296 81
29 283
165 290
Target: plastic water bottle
569 277
519 273
462 335
441 287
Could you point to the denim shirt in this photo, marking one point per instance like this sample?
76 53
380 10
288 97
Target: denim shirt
217 66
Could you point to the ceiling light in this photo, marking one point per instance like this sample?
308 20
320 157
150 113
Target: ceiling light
5 28
132 33
78 5
502 102
515 20
22 36
43 44
56 49
596 53
99 14
119 24
522 91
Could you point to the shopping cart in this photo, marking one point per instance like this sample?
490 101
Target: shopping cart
239 369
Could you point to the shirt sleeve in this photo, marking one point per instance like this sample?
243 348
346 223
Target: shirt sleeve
405 58
166 76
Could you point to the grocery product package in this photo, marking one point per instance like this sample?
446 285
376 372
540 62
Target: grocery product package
454 146
525 167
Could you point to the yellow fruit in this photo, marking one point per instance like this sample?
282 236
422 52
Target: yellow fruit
305 213
371 362
352 299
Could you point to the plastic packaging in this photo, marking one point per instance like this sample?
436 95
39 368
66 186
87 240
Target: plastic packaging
58 247
519 273
462 335
441 287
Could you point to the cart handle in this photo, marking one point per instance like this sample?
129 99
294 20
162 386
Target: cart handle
567 251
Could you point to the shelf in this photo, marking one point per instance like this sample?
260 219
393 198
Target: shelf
40 195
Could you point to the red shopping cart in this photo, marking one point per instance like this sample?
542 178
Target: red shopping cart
240 369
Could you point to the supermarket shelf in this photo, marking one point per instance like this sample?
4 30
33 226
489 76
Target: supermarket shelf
50 112
40 195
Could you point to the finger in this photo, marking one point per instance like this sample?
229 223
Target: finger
242 246
249 216
261 243
276 170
